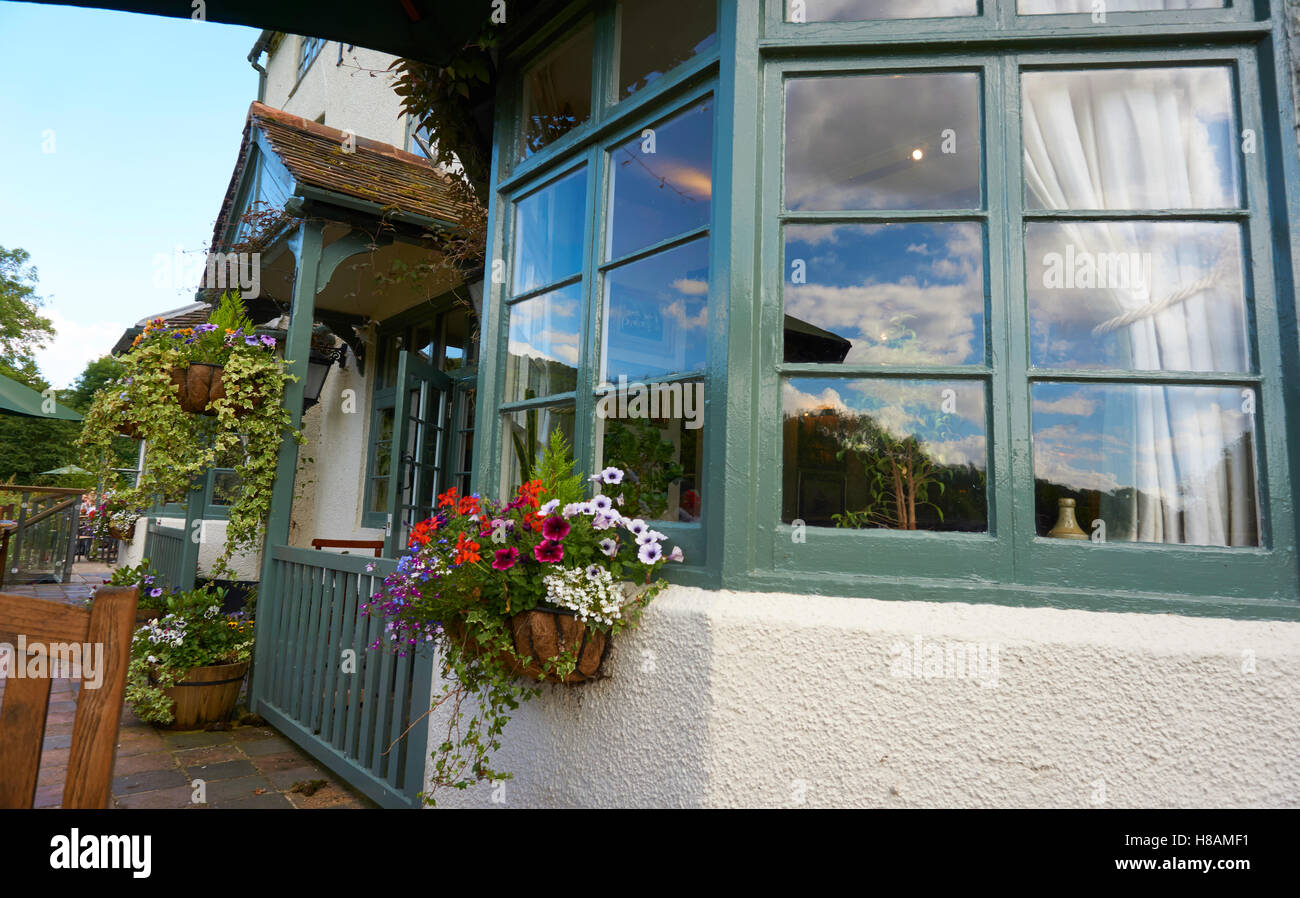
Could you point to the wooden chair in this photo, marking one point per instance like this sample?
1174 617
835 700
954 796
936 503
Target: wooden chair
377 545
109 624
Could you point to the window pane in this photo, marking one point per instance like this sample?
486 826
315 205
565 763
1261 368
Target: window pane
657 314
557 92
526 436
891 294
1143 296
1130 139
654 433
1041 7
661 184
543 351
548 233
1162 464
864 10
883 142
893 454
654 38
225 487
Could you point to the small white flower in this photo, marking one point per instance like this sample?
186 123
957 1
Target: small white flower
594 571
650 553
659 536
676 554
609 547
601 503
611 475
636 526
549 507
646 536
619 499
602 522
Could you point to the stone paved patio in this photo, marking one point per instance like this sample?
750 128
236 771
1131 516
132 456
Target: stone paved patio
250 766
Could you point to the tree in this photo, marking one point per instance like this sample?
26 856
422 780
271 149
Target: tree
23 329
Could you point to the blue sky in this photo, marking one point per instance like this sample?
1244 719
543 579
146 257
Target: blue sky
146 114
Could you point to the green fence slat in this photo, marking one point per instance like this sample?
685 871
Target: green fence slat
318 669
356 684
383 702
399 719
307 644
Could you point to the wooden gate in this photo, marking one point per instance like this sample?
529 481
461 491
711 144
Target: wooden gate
359 712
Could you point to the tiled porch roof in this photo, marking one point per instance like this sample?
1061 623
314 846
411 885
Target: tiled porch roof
376 172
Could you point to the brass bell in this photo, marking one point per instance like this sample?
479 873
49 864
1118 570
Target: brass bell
1067 527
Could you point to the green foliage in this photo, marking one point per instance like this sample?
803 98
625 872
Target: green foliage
23 329
636 445
191 632
249 423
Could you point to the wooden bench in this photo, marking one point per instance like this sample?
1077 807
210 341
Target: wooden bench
109 624
377 545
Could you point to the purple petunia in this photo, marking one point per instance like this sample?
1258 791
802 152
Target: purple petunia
549 552
609 547
555 528
601 503
611 475
267 341
650 553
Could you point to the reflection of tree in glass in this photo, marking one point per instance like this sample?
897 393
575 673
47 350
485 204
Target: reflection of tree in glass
649 462
901 477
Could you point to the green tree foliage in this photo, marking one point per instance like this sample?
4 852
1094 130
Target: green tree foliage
23 329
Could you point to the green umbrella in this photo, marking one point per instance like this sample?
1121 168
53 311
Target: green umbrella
20 399
67 469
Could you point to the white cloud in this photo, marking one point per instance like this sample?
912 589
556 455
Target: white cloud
76 343
1068 405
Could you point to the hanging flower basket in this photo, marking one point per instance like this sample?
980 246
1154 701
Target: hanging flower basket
129 429
197 385
543 634
119 533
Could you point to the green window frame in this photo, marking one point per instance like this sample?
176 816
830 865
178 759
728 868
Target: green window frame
747 546
587 148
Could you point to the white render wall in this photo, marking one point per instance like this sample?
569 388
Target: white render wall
348 96
212 539
726 699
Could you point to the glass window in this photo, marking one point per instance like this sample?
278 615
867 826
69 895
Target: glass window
883 141
557 92
654 38
885 294
892 454
657 314
1041 7
544 344
654 433
526 434
661 181
1159 138
1146 463
381 457
863 10
1137 295
548 234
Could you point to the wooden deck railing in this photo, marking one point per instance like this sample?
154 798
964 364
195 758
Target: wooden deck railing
43 544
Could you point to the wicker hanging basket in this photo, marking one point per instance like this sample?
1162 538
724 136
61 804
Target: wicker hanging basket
198 385
543 634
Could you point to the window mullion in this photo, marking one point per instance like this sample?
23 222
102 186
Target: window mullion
584 435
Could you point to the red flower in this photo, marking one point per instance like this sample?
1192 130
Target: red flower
555 528
468 506
448 498
549 551
466 550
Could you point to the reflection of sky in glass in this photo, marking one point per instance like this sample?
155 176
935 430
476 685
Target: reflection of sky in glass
1173 463
1131 266
544 348
655 38
951 425
851 142
1042 7
1130 139
656 314
865 10
548 233
902 294
654 196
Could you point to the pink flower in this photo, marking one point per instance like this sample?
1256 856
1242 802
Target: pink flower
549 551
555 528
504 559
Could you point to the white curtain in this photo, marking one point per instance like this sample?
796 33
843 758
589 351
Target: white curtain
1129 139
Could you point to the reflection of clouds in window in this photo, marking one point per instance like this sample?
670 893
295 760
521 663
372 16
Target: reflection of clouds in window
548 233
1137 295
543 345
865 10
899 294
656 314
1042 7
850 142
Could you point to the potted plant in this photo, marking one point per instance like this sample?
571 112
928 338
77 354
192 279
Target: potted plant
241 414
513 594
188 664
145 578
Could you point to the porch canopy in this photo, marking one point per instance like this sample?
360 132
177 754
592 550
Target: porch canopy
425 30
20 399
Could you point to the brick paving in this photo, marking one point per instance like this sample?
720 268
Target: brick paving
246 766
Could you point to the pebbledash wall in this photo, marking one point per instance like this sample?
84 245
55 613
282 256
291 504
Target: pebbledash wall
726 698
